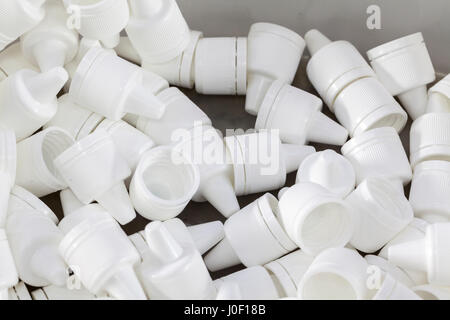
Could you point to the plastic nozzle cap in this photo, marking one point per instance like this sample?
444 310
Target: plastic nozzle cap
294 155
45 86
163 245
415 101
117 202
206 235
222 256
124 285
315 40
144 103
48 264
219 191
126 50
229 290
322 129
49 54
69 201
409 255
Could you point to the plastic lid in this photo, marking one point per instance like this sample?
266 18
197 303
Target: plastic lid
395 45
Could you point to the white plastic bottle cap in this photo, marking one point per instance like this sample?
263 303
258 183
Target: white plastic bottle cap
126 50
255 283
17 17
430 138
282 101
414 231
381 212
112 87
253 236
181 113
28 100
330 170
8 272
163 184
335 274
23 199
34 240
8 160
288 271
102 255
432 292
274 52
69 201
174 263
100 20
12 60
379 153
74 119
94 170
229 290
51 44
35 169
131 143
170 32
260 162
204 146
430 189
348 86
439 96
180 70
221 66
314 218
392 289
61 293
405 68
429 254
382 267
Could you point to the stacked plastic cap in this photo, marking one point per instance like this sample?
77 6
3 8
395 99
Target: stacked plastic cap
379 153
253 236
349 86
99 20
28 100
18 17
8 156
314 218
260 161
274 52
221 66
174 263
100 253
163 184
297 115
179 71
429 254
404 67
35 169
430 138
380 210
51 44
336 274
430 188
330 170
112 87
94 169
12 60
439 96
170 33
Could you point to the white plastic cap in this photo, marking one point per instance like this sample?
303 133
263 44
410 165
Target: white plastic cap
378 153
29 100
405 68
126 51
274 52
34 240
8 272
17 17
69 201
94 170
392 289
430 138
254 234
429 191
381 267
12 60
51 44
221 66
381 211
163 184
170 32
277 111
314 218
35 169
428 254
206 235
439 96
8 160
100 253
181 113
112 87
100 20
330 170
335 274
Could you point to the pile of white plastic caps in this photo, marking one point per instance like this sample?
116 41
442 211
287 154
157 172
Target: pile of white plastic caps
120 141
